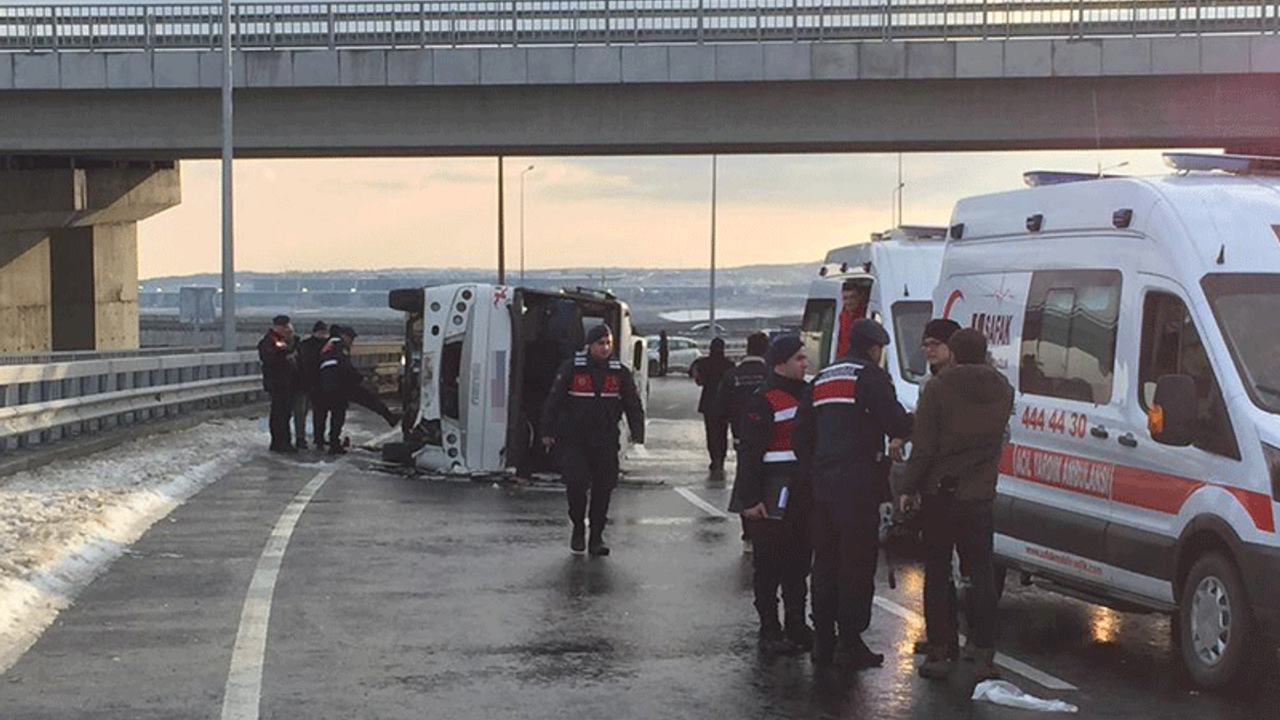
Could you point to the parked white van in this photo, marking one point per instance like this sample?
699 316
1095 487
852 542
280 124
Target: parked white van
480 360
898 270
1138 320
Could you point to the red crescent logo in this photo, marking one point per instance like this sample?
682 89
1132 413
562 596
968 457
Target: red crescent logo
955 295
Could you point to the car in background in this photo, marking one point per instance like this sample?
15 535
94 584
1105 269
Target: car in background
682 351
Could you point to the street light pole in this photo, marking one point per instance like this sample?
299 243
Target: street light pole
522 174
229 343
715 332
502 222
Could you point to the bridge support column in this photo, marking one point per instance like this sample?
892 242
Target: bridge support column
69 252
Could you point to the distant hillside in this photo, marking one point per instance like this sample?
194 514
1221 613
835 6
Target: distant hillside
770 295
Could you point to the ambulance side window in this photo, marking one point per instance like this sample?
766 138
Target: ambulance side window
816 330
1069 335
1171 345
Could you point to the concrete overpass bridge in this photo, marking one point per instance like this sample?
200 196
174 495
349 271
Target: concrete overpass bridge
92 87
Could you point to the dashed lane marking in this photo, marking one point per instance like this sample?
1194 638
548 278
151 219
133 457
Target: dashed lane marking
701 504
244 680
1004 661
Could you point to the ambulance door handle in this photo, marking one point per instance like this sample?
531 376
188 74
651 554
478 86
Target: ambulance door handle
1099 432
1128 440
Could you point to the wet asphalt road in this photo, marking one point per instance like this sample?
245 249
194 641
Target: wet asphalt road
402 597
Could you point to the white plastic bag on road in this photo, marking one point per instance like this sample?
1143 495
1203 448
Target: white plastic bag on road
1001 692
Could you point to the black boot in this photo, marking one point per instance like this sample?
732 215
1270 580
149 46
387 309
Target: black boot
798 632
824 645
578 543
596 546
771 638
855 655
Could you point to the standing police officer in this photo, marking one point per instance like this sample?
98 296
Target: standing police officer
775 500
840 436
591 392
279 367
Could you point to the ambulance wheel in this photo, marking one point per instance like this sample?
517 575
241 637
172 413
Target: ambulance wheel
1214 625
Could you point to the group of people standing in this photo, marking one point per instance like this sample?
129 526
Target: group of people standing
312 373
813 468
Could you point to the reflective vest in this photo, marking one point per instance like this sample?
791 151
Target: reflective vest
836 384
580 384
784 416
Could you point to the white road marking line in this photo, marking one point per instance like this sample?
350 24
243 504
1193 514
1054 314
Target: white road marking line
1017 666
244 680
701 504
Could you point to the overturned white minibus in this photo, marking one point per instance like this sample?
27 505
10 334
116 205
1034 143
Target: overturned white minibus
478 363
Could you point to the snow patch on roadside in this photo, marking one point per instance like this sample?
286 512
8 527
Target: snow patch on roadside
62 524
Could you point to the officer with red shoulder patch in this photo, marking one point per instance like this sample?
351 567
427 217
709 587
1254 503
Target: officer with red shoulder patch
591 393
775 500
840 439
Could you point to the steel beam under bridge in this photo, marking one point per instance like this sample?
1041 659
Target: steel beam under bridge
306 103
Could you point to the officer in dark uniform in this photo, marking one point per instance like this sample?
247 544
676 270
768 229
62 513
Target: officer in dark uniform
279 368
740 383
840 437
775 499
591 392
340 384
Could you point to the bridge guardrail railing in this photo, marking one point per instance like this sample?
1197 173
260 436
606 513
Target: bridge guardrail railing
436 23
48 402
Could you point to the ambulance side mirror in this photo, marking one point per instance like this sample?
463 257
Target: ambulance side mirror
1172 416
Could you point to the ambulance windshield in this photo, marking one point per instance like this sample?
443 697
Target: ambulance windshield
1247 307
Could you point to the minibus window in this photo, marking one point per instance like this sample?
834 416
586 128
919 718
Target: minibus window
450 369
1247 308
1171 345
816 329
909 319
1069 335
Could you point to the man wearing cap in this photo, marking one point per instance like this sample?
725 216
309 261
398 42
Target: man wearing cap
341 385
956 447
840 438
279 365
934 343
938 357
309 386
591 392
775 500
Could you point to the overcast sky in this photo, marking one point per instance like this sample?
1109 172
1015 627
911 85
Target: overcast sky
327 214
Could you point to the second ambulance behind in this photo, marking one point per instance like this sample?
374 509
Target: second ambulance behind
1138 320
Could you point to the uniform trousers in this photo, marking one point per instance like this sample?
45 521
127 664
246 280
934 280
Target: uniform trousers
845 548
278 424
590 473
780 558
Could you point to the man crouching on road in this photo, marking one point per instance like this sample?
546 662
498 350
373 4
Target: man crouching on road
775 499
956 446
591 392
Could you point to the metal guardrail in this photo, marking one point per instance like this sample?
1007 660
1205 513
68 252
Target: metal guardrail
434 23
47 402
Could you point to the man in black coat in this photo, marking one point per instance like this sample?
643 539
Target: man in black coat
279 366
591 392
840 438
740 383
309 383
775 500
708 371
341 384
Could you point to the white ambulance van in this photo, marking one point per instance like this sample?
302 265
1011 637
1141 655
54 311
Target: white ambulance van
1138 320
479 361
898 269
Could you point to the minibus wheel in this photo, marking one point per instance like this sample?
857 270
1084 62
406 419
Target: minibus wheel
1214 623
